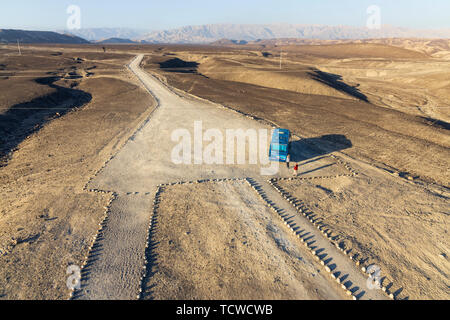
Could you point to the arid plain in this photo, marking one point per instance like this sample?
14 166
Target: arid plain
371 119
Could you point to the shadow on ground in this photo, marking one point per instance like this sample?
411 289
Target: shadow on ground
152 261
179 66
310 148
335 81
21 120
436 123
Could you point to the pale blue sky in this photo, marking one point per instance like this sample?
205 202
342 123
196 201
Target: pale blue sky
165 14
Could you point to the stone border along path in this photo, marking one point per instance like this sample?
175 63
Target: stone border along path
95 247
385 288
340 268
113 281
356 257
149 257
327 232
326 253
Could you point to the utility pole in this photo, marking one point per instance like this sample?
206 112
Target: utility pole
18 46
281 56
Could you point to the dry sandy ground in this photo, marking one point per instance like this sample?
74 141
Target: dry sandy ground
415 47
394 224
391 105
409 75
47 221
437 48
114 269
219 241
303 97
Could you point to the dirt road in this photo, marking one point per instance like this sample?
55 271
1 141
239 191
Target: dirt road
117 262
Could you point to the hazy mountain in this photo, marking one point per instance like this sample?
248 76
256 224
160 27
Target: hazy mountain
226 42
211 33
96 34
241 32
9 35
116 41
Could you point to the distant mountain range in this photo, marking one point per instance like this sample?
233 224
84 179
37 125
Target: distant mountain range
215 32
117 41
98 34
236 33
9 35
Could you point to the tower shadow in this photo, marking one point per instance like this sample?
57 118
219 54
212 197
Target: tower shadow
310 148
23 119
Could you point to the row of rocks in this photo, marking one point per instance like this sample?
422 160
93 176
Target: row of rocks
146 269
319 254
362 263
94 247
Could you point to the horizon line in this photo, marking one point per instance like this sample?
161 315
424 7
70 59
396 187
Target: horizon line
225 24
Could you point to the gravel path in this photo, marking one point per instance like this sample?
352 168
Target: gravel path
115 266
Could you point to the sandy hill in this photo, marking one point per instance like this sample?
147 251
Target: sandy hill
299 78
296 77
338 49
439 48
357 50
9 35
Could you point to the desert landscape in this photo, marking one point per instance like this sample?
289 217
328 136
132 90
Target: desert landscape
371 93
87 179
